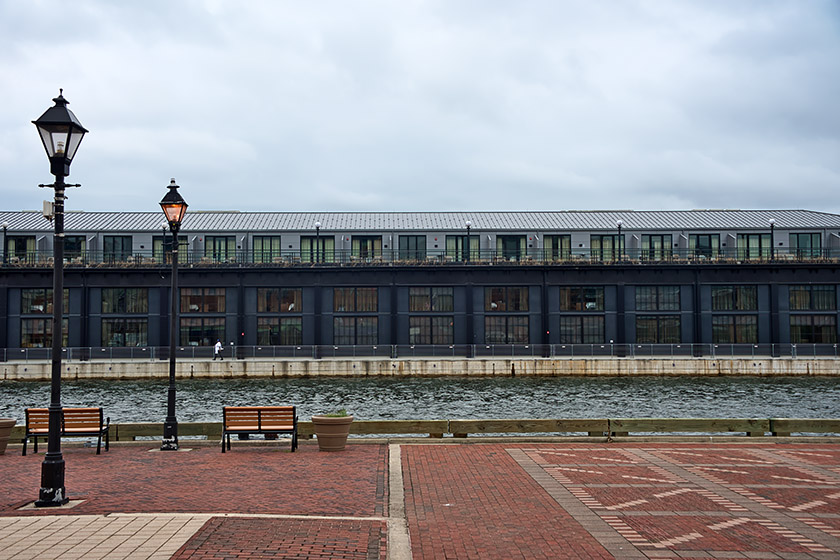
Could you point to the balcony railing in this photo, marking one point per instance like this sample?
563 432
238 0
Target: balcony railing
408 351
243 258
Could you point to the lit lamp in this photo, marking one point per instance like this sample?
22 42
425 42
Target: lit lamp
61 133
772 239
317 241
469 225
174 208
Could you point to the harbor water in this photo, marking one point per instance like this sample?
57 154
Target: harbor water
372 398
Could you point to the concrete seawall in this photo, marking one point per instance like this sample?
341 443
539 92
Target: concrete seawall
139 369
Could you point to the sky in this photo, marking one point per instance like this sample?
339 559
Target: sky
409 105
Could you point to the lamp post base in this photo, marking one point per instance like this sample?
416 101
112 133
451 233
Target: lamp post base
52 496
170 431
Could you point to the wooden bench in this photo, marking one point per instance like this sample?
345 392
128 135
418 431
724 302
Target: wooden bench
267 420
75 422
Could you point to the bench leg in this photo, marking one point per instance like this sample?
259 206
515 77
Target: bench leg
294 441
35 445
223 440
24 441
98 444
107 439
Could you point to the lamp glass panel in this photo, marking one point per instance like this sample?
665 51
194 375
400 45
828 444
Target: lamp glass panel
174 212
73 141
47 137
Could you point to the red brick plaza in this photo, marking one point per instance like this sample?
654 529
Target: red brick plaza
432 500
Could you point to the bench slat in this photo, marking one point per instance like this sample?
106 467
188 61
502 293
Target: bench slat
258 420
83 421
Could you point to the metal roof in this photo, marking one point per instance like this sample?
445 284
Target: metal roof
561 221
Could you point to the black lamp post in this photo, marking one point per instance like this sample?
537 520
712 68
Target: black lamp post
469 225
174 207
5 227
619 223
317 242
61 133
772 239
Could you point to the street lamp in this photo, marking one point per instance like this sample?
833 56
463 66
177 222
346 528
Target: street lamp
61 133
174 207
772 239
5 227
619 223
469 225
317 242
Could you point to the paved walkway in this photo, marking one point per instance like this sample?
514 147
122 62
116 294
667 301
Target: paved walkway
431 501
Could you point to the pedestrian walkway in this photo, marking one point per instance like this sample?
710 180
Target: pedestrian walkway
429 500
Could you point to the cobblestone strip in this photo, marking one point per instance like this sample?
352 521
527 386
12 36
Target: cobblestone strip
92 537
399 543
612 540
722 489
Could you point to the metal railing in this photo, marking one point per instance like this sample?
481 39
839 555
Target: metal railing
289 258
404 351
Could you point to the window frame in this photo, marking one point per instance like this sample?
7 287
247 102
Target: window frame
658 298
574 329
433 330
412 247
205 326
557 247
740 329
126 301
266 248
799 293
274 330
577 299
203 297
803 328
355 330
355 299
45 295
506 329
285 299
696 250
117 248
662 330
45 332
741 297
811 249
123 331
500 299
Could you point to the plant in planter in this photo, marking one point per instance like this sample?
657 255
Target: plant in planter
332 429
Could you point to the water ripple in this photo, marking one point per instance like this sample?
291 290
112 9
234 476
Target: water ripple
451 397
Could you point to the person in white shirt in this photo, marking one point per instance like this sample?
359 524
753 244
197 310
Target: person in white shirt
217 350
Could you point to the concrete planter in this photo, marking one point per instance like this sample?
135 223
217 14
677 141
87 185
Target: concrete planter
6 425
332 431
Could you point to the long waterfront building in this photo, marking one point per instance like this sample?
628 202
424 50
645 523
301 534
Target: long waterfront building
429 280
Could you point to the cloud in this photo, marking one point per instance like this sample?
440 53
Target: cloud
424 105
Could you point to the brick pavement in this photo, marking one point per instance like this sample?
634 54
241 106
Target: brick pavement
266 480
468 500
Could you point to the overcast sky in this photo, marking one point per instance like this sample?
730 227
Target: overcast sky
405 105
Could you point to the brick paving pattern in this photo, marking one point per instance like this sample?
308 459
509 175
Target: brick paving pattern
463 501
339 539
474 501
204 480
685 500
